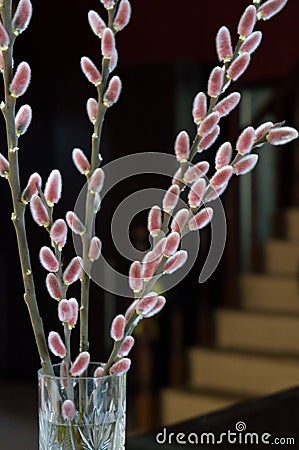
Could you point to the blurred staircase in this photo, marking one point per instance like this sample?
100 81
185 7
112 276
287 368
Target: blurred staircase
256 346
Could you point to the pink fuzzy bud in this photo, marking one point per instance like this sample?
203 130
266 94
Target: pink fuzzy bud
113 91
209 139
130 312
98 373
4 38
75 223
96 203
251 43
108 43
176 177
63 373
182 146
118 327
224 45
159 248
215 82
123 15
223 155
179 220
227 104
199 109
282 135
75 309
196 171
135 278
196 193
53 286
58 233
108 3
38 211
172 243
245 165
262 131
171 198
80 161
80 364
68 410
120 367
150 264
4 166
247 22
270 8
157 308
95 249
154 221
33 184
48 259
96 23
126 346
53 188
92 108
146 303
23 119
175 262
214 192
221 177
245 141
238 66
21 80
64 310
113 61
201 219
96 181
73 271
22 16
90 71
56 345
208 124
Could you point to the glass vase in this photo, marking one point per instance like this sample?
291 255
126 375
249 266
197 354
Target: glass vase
82 413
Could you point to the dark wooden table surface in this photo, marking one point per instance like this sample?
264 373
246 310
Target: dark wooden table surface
271 420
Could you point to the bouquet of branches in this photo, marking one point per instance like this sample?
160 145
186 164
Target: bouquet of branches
167 222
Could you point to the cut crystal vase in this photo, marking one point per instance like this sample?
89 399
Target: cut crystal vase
82 413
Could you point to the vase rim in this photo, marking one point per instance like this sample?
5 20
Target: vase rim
88 377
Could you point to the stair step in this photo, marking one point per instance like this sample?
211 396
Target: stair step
257 331
292 224
269 293
281 257
182 404
243 373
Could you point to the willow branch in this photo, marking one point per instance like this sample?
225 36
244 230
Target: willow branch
18 215
90 213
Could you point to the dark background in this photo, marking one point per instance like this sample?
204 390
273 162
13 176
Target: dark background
168 46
